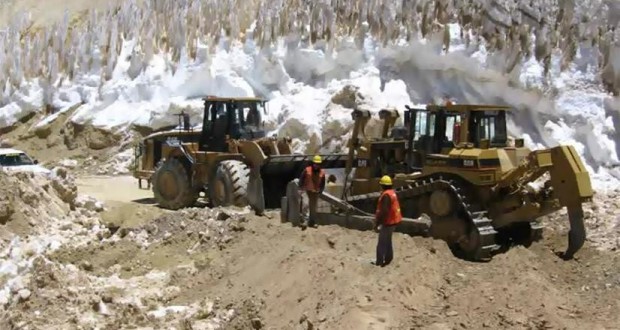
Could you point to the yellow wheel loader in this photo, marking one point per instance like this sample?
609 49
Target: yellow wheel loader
456 164
230 159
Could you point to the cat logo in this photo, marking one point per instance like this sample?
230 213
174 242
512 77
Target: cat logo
362 162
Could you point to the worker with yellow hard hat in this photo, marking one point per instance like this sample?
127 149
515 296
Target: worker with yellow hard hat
312 182
387 216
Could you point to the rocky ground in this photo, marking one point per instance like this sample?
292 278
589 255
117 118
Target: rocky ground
115 261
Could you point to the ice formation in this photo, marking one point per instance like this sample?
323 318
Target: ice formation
136 65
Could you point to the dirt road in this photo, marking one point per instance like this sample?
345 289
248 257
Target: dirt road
288 278
121 189
126 204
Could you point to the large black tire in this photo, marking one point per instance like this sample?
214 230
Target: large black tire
229 186
172 187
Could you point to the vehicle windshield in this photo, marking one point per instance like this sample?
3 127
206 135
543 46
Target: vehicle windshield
15 160
490 125
249 114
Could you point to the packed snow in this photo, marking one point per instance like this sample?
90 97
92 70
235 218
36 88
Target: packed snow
121 77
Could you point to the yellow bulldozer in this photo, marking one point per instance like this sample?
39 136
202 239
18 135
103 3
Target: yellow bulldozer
455 164
230 158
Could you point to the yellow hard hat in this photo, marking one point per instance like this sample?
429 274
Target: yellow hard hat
317 159
385 181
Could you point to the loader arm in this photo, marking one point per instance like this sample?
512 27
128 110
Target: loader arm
569 184
360 119
389 118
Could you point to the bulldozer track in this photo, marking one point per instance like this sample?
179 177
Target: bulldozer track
480 226
489 242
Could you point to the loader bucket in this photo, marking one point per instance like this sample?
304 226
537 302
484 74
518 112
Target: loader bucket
278 170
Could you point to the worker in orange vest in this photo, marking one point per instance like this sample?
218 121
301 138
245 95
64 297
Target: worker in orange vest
387 217
312 182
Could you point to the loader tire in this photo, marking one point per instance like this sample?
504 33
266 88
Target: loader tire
172 186
229 186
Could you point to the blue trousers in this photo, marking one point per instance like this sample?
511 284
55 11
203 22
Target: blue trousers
385 251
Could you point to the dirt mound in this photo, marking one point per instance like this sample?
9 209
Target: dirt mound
28 198
130 278
183 237
348 97
65 296
37 212
323 279
81 148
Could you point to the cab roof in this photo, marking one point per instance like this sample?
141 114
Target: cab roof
229 99
468 107
10 151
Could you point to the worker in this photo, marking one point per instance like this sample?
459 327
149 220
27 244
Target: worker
312 182
387 217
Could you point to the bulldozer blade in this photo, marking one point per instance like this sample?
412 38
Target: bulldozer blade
577 233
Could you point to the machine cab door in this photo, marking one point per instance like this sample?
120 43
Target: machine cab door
431 132
418 140
216 125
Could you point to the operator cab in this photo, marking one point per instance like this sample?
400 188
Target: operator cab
437 129
235 118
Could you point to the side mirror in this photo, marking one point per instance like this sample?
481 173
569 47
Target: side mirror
36 162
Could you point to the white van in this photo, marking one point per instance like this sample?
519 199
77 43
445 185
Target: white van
13 160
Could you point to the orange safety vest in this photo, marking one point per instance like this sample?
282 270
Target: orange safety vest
394 216
313 182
